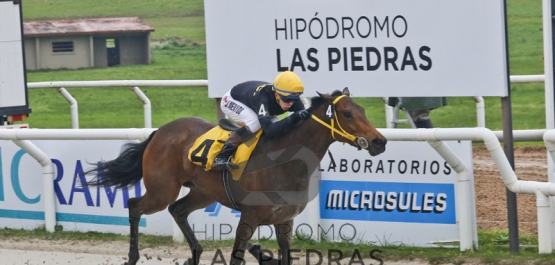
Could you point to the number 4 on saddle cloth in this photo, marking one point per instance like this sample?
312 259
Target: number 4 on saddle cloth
208 146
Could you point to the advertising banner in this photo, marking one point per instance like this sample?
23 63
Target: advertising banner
79 207
376 48
406 194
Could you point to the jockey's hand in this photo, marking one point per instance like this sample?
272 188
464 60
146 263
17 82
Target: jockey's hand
299 116
303 114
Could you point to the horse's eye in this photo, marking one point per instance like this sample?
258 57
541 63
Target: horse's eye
347 115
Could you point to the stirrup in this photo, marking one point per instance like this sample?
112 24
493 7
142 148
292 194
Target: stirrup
231 166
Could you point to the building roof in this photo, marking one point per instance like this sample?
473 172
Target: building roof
89 26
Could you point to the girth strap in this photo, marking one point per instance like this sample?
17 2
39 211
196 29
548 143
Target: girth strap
225 179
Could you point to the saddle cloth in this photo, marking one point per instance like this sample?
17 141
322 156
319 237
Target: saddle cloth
209 145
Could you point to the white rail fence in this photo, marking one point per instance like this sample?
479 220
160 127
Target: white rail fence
542 190
134 85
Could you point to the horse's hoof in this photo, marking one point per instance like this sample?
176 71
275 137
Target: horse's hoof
189 261
254 249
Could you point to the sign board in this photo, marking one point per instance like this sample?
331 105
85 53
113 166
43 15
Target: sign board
376 48
405 195
356 195
83 208
13 84
79 208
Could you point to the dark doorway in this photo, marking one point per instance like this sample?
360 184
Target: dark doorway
112 49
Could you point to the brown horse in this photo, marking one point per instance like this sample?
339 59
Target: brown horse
282 166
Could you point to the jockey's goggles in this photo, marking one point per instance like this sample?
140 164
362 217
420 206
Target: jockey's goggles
289 98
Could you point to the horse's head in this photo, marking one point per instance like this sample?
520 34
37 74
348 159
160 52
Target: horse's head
347 121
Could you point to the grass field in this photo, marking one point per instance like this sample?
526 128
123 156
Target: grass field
184 19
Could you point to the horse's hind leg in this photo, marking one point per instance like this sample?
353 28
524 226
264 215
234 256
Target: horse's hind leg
154 200
134 218
180 210
147 204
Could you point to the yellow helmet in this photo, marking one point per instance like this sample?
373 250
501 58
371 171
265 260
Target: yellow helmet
288 84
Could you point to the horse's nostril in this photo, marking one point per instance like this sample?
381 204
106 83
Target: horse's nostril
379 143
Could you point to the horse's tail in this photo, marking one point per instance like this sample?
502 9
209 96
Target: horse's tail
124 171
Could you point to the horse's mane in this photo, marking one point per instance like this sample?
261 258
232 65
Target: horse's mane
317 101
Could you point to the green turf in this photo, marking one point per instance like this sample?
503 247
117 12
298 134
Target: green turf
181 23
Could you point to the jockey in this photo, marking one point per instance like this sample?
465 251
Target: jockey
256 104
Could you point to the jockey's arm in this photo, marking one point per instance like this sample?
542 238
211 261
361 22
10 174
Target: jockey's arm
279 128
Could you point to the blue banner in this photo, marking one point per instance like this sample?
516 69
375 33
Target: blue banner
388 201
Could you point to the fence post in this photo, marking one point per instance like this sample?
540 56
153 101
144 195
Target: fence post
146 105
73 107
48 196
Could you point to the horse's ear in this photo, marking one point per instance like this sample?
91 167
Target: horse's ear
346 91
324 96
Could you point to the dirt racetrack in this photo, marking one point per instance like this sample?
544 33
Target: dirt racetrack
530 164
491 203
112 253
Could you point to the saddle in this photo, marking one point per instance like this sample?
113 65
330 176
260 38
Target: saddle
208 145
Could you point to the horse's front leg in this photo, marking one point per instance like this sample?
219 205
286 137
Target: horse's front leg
245 230
262 255
284 234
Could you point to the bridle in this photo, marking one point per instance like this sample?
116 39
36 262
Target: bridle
360 142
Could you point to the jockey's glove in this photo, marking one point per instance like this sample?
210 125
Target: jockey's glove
300 115
304 114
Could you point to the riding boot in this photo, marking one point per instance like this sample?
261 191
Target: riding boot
223 159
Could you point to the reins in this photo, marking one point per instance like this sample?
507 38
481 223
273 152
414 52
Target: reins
359 141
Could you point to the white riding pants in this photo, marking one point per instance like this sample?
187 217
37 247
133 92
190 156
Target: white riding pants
239 112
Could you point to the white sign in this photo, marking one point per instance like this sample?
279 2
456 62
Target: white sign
78 206
13 87
362 189
404 196
376 48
